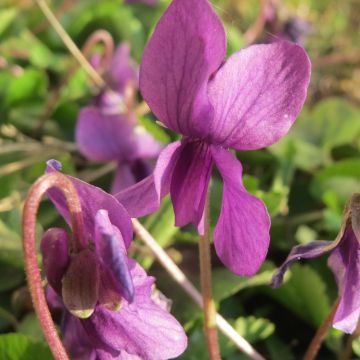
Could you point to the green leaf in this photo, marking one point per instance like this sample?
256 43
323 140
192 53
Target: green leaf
342 178
356 346
154 129
226 284
30 85
254 329
30 326
21 347
6 18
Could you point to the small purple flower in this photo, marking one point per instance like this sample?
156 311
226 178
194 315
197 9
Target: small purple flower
344 262
108 130
247 102
106 297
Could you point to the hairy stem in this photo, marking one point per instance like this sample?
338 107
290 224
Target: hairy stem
31 207
319 337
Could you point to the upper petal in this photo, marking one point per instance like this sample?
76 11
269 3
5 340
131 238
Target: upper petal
257 95
187 46
345 263
142 328
144 197
242 233
92 199
189 184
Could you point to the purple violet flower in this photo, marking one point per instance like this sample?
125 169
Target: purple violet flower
108 130
248 102
106 297
344 261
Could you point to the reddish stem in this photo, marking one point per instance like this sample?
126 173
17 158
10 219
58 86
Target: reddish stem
31 206
321 333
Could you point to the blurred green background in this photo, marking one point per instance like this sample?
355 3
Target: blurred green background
305 179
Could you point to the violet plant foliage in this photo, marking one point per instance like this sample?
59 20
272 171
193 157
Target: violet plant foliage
108 129
247 102
106 298
344 262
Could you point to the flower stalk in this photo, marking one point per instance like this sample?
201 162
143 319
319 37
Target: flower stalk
32 202
319 337
206 287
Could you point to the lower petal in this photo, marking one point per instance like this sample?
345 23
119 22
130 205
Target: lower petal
142 328
189 184
144 197
242 233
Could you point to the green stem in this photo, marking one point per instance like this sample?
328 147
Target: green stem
206 287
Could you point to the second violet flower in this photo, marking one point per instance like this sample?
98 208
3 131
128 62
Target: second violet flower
247 102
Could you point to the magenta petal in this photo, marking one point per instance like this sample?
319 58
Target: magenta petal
55 252
104 137
190 183
111 248
141 328
345 263
144 197
257 95
187 47
122 69
242 233
92 199
299 252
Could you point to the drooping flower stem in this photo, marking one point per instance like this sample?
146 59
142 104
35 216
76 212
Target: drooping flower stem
206 287
31 206
317 340
175 272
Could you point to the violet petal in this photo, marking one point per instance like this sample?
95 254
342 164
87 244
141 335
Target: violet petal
345 264
92 199
144 197
111 249
141 328
299 252
55 252
186 48
257 95
189 184
241 235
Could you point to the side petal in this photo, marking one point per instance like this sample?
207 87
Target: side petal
92 199
104 137
187 47
112 251
189 184
299 252
345 264
144 197
241 235
55 252
141 328
257 95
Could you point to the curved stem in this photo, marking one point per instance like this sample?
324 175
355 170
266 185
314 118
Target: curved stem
348 350
319 337
96 37
206 287
31 206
